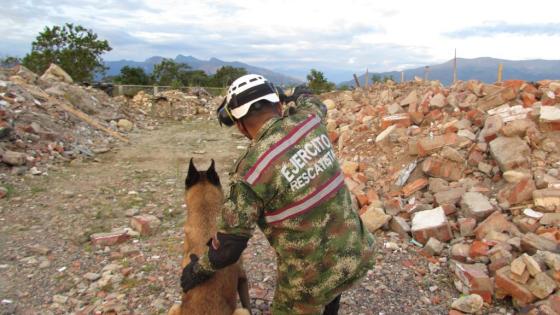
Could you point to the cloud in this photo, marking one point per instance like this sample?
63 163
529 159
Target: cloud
293 36
490 30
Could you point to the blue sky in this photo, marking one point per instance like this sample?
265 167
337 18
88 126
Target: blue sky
337 37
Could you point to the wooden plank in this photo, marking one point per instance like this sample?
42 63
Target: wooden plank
92 122
356 80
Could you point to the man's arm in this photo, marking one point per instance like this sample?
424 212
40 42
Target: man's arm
305 101
236 225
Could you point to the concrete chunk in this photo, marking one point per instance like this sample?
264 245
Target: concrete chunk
510 152
548 198
476 205
431 223
542 285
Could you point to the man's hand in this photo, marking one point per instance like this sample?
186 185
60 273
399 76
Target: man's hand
281 94
192 275
299 91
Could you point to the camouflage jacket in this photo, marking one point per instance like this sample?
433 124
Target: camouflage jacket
289 183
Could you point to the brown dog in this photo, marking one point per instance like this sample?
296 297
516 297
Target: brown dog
218 295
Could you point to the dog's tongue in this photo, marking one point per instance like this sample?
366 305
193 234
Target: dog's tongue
215 242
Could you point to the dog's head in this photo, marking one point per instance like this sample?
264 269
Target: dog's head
196 177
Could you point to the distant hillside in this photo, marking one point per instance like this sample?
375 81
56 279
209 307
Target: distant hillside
484 69
208 66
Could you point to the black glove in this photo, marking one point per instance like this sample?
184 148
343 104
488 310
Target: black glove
192 275
228 252
281 94
299 91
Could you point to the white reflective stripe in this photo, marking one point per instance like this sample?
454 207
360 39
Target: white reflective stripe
270 156
309 203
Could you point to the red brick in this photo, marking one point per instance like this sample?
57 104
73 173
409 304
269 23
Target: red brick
393 206
333 136
428 145
454 312
476 280
516 290
517 193
417 117
478 248
401 120
111 238
372 195
476 117
491 128
515 84
442 168
145 224
528 99
554 302
414 186
495 222
362 200
475 157
496 99
434 115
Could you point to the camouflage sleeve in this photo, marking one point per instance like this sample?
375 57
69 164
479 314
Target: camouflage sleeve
312 104
239 216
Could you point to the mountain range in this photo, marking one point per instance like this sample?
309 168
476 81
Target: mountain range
209 66
484 69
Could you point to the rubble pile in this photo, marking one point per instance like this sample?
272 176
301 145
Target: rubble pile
49 118
470 172
174 104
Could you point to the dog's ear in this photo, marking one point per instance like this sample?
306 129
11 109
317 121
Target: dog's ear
212 176
192 176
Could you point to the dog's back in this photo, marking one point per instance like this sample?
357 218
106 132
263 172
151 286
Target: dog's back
218 295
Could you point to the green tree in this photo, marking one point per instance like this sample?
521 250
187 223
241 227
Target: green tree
169 72
387 78
195 78
226 75
132 75
74 48
376 78
344 87
318 82
9 61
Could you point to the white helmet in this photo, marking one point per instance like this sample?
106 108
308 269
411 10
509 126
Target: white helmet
248 90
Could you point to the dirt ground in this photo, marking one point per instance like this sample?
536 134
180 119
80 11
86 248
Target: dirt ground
48 265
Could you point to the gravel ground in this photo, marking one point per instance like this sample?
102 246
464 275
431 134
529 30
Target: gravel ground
48 265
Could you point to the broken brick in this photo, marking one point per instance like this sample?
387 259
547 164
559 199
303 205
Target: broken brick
431 223
548 199
414 186
515 289
476 281
518 192
495 222
110 238
145 224
442 168
510 152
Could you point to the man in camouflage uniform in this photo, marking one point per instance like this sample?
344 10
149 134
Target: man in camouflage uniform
289 183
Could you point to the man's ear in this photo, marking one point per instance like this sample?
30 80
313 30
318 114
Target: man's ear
212 175
192 176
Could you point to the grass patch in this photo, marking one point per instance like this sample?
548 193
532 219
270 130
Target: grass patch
148 267
10 190
129 283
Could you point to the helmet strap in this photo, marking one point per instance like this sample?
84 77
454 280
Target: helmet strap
244 129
